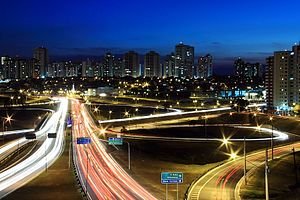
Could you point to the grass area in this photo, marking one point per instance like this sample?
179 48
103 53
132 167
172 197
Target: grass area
146 171
57 183
282 180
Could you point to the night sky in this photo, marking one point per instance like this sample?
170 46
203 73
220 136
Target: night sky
226 29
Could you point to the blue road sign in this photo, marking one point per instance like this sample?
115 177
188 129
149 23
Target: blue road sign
69 122
84 140
171 177
115 141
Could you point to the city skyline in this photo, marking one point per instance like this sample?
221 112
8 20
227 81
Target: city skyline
252 30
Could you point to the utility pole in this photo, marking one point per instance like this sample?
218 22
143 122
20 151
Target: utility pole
245 162
128 156
266 176
295 165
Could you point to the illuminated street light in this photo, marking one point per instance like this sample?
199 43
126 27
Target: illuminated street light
96 109
4 121
109 112
233 155
225 141
126 114
102 131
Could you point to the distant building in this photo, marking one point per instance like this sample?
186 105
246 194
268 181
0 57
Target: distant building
152 64
204 69
41 55
269 82
247 70
131 66
57 70
282 79
108 64
87 69
117 72
184 63
169 66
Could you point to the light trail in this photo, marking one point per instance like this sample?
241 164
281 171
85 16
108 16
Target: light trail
279 135
106 179
46 154
175 113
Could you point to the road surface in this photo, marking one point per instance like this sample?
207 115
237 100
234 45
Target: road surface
99 173
18 175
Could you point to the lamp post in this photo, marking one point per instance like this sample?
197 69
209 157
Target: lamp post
109 112
272 142
195 103
4 121
205 130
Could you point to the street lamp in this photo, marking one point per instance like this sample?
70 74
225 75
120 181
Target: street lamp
195 103
272 144
4 121
109 112
205 129
126 113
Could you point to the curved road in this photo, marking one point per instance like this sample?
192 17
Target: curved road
221 182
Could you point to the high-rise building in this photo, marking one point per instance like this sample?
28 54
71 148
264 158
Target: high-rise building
169 65
57 69
269 82
152 64
184 60
41 54
87 69
204 66
6 63
108 65
131 64
247 70
283 79
118 67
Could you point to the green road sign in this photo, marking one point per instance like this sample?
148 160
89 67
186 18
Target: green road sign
171 177
115 141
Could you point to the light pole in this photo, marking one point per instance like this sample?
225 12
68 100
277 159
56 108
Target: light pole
245 162
109 112
272 142
195 103
129 159
205 129
266 176
4 121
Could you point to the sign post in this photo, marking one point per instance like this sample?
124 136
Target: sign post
85 140
171 178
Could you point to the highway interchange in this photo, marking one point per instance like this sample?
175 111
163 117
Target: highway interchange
101 176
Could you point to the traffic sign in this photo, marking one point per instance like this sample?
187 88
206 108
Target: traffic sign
84 140
51 135
171 177
115 141
30 136
69 122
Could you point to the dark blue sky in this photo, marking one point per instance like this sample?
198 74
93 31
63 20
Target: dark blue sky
226 29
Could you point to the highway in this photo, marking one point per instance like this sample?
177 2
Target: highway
221 183
99 173
48 151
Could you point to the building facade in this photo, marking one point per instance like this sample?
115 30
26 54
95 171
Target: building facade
131 66
41 55
204 69
283 79
184 60
152 65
